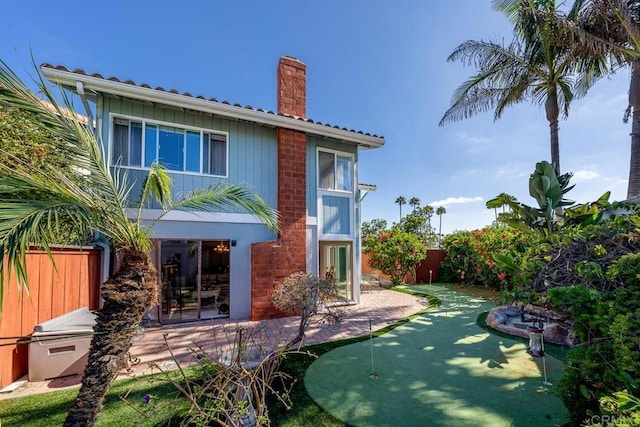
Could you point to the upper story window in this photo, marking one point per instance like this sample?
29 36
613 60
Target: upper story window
140 143
335 171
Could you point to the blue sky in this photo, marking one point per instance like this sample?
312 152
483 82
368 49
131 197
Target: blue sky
372 65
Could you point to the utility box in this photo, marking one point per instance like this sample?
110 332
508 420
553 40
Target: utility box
60 347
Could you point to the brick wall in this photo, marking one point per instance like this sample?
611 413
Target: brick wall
272 262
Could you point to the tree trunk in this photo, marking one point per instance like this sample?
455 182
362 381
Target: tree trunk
126 295
633 188
553 112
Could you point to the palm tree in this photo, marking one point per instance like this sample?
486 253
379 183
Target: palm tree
440 211
611 29
35 204
414 202
428 212
538 66
401 201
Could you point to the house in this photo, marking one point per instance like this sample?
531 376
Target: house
227 263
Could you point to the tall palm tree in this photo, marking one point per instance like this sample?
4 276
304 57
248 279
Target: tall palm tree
414 202
428 212
537 66
35 204
611 29
440 211
401 201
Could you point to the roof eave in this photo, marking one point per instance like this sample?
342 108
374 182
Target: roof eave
100 85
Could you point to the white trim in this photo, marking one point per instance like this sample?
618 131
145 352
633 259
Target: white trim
336 153
312 220
160 123
217 217
98 85
367 187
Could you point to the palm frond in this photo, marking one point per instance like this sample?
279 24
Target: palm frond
224 196
36 201
157 185
499 82
510 8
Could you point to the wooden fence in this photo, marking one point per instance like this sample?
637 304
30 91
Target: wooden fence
72 284
423 269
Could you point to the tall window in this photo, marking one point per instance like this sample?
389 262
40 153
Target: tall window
141 143
335 171
127 142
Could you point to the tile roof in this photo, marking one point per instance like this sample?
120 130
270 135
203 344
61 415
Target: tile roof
188 94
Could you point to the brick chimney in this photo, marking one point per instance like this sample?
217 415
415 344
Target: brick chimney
292 87
272 262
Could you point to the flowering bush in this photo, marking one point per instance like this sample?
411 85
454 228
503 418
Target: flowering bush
469 255
395 253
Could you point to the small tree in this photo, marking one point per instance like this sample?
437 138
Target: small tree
307 295
395 253
418 222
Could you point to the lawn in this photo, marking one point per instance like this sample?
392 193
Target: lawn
50 409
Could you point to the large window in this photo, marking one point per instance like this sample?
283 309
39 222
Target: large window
140 143
335 171
335 194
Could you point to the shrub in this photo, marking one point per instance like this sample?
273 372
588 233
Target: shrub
469 255
395 253
306 295
608 326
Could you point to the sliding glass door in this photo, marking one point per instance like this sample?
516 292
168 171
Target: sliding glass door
194 280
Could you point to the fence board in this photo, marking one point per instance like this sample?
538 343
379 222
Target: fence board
45 308
57 301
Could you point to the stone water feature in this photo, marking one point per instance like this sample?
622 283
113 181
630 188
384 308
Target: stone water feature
514 320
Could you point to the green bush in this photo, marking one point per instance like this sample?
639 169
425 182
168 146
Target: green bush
607 325
470 255
395 253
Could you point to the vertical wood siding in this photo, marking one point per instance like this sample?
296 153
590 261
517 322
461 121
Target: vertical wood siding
72 284
336 215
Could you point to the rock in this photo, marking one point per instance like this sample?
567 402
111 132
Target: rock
511 311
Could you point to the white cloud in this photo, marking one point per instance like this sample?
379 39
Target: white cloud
473 143
592 107
585 175
457 201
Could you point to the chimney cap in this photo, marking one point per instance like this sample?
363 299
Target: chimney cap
291 57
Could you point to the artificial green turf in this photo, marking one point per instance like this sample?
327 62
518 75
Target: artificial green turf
305 411
439 369
123 406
